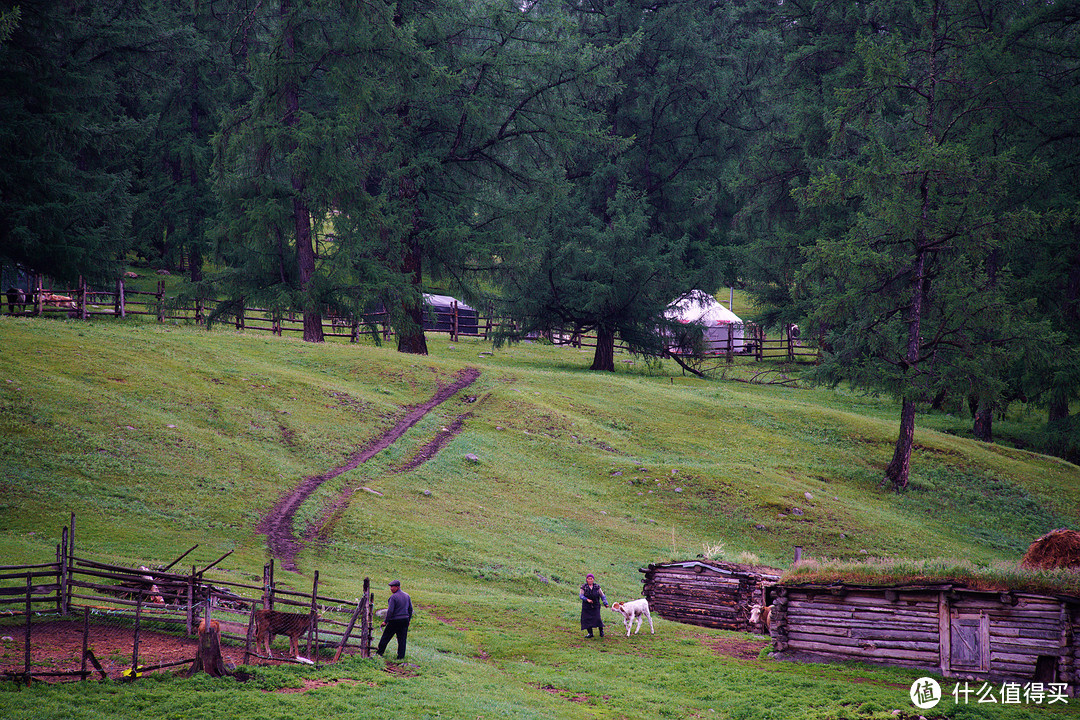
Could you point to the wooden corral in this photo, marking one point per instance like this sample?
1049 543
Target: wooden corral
707 593
959 632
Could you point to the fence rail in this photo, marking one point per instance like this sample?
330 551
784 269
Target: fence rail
743 340
46 600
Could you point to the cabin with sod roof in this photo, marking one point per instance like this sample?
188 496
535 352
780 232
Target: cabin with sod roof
945 627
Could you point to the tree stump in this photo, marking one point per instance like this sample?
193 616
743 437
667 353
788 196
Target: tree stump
209 658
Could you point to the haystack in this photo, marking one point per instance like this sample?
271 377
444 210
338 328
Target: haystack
1056 549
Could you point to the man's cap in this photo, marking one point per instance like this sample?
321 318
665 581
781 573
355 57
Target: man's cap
395 582
589 575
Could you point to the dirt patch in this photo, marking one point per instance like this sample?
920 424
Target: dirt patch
278 523
431 449
737 648
402 669
565 694
56 646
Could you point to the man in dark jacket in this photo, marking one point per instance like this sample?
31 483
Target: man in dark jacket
398 615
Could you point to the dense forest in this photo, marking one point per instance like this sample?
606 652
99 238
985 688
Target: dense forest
898 177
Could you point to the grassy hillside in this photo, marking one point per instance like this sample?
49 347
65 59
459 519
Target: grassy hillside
160 437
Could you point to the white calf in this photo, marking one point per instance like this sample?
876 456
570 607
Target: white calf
638 609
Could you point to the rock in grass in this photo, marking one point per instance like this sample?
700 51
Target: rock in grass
471 457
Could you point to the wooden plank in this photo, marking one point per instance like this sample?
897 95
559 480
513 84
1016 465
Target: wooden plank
1011 655
857 605
1037 636
929 657
876 644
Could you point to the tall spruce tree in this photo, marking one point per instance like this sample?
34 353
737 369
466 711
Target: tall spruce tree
909 290
303 162
477 154
643 216
69 122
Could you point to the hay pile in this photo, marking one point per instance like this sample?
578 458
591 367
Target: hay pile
1056 549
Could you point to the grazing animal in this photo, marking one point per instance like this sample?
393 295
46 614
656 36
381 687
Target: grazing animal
215 627
762 613
155 591
269 623
15 296
638 609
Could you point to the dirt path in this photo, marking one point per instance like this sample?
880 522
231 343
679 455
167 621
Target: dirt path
278 523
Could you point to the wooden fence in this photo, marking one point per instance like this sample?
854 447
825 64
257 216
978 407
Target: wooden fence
173 601
85 303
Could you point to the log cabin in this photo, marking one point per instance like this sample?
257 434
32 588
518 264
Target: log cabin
707 593
945 628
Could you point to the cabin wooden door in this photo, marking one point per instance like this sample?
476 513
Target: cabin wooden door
969 642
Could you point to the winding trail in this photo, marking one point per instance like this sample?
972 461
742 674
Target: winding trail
278 522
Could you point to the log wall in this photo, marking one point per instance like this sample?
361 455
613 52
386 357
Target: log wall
954 631
709 594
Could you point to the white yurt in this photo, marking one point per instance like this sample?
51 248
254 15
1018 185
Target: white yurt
719 324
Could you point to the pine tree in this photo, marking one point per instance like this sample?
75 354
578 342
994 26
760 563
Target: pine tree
68 127
644 213
913 293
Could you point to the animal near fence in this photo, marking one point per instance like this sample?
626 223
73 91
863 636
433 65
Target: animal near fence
75 618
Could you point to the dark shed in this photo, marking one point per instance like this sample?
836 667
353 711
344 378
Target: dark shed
707 593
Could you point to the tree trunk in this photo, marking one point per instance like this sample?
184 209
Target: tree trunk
411 338
604 357
208 659
1058 409
301 214
898 470
984 421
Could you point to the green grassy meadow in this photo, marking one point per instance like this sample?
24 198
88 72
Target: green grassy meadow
159 437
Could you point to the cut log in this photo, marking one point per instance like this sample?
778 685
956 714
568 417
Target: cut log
209 658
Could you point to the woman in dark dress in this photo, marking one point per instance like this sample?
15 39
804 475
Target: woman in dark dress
592 597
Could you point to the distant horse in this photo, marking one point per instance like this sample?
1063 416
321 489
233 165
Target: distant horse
15 296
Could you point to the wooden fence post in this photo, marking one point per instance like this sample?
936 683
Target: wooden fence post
85 640
365 621
268 585
80 302
160 295
730 343
191 602
135 643
29 589
65 590
39 294
118 304
71 539
313 631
